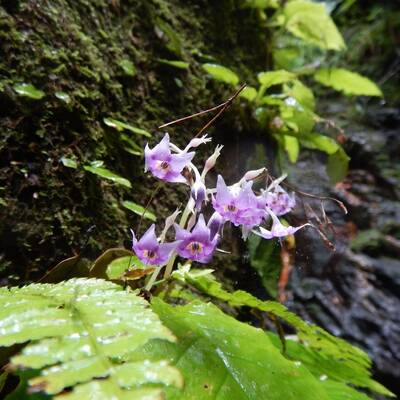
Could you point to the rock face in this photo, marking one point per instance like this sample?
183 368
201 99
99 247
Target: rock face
355 291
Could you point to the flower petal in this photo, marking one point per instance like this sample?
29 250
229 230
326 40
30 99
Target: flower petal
149 240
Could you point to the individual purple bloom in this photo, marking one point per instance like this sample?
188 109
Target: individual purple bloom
241 208
149 251
278 230
279 201
215 224
163 164
197 245
198 191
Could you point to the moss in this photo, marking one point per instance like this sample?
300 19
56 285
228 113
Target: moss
76 47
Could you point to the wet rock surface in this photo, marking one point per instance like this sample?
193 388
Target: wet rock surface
354 292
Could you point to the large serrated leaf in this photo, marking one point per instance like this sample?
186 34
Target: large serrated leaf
349 364
224 359
311 22
347 82
81 330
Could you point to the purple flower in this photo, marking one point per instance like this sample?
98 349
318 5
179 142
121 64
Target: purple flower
279 201
278 230
242 207
198 191
215 224
163 164
149 251
197 245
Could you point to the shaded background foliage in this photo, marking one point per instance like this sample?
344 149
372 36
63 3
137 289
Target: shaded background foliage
91 60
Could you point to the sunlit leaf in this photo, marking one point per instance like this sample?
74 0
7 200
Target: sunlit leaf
28 90
319 142
120 126
175 63
312 23
221 73
347 82
139 210
271 78
249 93
292 147
260 4
107 174
69 162
302 93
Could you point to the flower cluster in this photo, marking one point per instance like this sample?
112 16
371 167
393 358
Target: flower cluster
238 204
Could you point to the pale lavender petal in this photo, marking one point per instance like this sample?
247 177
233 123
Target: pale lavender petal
161 151
223 195
179 161
149 240
246 197
180 233
264 233
200 232
165 250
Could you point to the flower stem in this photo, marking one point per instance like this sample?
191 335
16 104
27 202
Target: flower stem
182 222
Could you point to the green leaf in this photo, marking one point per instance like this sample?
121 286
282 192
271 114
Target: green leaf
351 365
81 330
301 93
128 67
225 359
311 22
271 78
347 82
333 374
69 162
139 210
221 73
292 147
260 4
28 90
107 174
118 266
319 142
131 146
175 63
249 93
120 126
65 97
265 259
338 165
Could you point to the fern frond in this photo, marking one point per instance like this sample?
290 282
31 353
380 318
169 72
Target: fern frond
81 330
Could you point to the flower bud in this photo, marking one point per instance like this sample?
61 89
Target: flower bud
253 174
215 224
198 193
197 142
210 163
